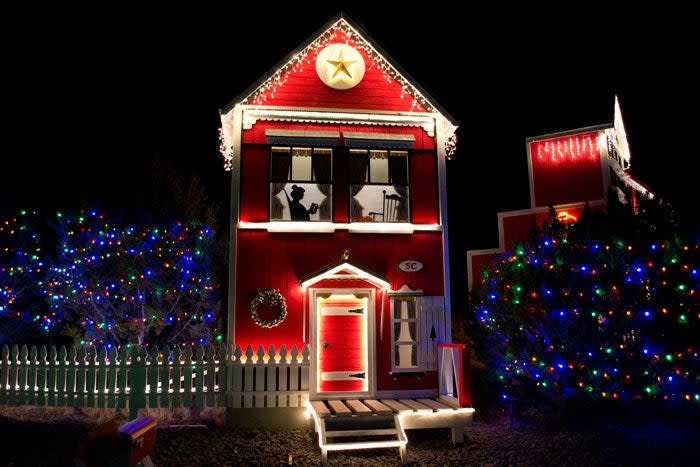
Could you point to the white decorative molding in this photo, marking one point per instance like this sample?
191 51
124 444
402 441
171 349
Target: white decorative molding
345 271
422 120
302 133
406 290
329 227
379 136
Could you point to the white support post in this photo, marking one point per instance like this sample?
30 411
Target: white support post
442 192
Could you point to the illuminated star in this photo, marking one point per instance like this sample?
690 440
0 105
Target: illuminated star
341 65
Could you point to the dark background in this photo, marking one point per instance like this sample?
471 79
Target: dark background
90 98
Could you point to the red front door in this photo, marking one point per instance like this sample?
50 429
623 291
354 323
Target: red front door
341 344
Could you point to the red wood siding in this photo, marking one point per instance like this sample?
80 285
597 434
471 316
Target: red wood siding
267 260
255 172
566 180
423 172
341 187
517 227
255 169
376 91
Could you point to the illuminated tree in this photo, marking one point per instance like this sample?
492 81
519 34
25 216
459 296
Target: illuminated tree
114 284
21 277
565 314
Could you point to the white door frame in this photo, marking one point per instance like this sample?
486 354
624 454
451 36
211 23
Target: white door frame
313 333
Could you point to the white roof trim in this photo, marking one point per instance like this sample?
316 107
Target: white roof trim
378 136
356 273
302 133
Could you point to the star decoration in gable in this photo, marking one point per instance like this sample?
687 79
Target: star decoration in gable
341 65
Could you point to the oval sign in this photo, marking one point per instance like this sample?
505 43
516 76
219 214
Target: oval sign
410 265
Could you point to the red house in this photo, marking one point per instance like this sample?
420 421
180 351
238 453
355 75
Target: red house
339 238
566 170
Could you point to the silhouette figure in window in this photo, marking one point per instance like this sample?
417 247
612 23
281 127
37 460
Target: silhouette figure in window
297 210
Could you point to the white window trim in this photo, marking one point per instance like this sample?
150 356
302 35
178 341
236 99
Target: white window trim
419 368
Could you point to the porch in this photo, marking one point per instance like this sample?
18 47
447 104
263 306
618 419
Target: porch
370 423
367 423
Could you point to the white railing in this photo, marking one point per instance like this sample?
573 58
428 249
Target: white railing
136 378
454 374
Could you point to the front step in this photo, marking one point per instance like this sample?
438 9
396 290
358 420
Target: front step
344 433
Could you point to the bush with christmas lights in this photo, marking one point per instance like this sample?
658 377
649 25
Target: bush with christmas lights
113 284
21 277
601 309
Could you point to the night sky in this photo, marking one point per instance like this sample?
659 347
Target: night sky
89 103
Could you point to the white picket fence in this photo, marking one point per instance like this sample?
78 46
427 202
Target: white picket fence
160 378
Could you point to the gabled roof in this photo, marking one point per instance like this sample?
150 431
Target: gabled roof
343 270
350 27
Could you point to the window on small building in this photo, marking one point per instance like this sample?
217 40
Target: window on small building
404 334
300 184
379 185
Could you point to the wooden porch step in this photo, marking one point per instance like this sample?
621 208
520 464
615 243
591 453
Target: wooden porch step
377 407
396 406
358 407
340 409
435 405
320 409
416 406
371 407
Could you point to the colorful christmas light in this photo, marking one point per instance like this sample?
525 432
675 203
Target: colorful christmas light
21 274
615 320
116 284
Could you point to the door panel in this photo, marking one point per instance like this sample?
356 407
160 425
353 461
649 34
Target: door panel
342 348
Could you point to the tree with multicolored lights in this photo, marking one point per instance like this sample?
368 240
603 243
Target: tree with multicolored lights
114 284
569 313
21 276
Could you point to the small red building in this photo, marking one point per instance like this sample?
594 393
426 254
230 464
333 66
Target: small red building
566 170
339 210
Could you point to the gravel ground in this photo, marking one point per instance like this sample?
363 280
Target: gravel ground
52 442
486 444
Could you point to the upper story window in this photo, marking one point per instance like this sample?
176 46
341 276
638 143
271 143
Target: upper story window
300 184
379 186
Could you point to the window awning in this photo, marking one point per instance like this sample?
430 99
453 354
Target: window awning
358 139
302 137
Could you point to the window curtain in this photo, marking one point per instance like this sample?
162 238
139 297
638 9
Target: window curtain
402 208
322 173
280 174
355 207
359 168
276 206
398 176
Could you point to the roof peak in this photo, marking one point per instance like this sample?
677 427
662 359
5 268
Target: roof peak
341 21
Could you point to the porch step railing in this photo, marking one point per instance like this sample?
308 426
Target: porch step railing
455 373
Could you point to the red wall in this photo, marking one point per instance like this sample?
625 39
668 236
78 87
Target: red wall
424 188
568 179
303 88
256 159
278 260
516 228
255 187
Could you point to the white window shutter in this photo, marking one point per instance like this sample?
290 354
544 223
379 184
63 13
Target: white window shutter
431 315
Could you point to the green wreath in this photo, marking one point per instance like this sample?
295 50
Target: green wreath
273 299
